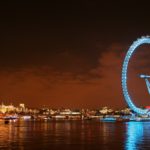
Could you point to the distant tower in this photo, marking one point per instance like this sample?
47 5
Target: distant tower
22 107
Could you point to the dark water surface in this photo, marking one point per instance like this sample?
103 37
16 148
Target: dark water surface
75 135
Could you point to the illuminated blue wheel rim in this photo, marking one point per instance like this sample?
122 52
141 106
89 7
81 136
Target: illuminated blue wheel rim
137 43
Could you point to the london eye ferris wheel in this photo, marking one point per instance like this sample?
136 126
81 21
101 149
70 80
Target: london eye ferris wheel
130 52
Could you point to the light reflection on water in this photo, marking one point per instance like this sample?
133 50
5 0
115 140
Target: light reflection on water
134 135
137 135
66 135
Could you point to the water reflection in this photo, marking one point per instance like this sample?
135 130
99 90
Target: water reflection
134 137
81 135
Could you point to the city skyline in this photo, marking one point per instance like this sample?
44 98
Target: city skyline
70 54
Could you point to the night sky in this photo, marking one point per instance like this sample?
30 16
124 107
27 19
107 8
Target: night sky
69 53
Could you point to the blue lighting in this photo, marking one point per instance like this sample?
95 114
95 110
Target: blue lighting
144 76
146 80
148 85
137 43
135 131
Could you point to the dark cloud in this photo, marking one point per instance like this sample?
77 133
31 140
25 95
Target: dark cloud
68 54
97 86
37 86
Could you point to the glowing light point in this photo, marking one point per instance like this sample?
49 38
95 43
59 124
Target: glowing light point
144 76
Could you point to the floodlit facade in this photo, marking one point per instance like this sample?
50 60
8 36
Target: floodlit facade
6 108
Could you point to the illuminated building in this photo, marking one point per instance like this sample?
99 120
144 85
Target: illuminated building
6 108
22 107
106 110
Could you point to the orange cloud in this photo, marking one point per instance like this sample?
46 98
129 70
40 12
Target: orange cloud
101 86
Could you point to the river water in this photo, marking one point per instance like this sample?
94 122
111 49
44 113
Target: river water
75 135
